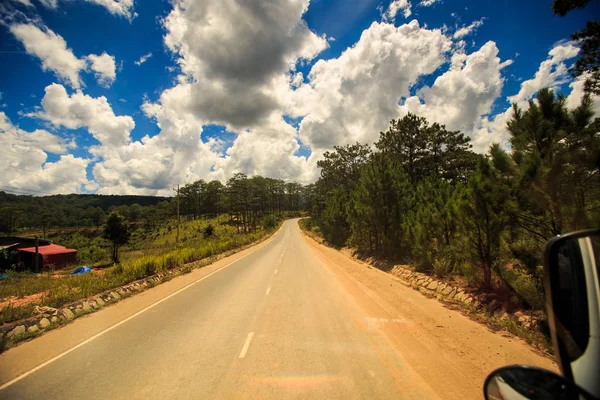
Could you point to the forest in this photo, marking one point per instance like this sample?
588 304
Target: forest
248 200
422 196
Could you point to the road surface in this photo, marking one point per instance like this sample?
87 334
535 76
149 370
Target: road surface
287 318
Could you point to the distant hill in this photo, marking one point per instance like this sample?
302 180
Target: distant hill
80 200
20 213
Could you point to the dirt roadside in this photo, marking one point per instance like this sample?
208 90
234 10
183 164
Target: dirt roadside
451 352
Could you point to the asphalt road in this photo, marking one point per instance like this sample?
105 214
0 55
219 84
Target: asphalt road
274 322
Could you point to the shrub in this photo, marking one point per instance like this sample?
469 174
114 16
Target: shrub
269 222
442 266
208 231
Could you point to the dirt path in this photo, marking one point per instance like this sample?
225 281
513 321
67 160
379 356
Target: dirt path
451 352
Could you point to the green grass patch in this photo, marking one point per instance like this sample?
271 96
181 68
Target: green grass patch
62 289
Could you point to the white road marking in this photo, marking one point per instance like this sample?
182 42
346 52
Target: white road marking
268 290
110 328
246 345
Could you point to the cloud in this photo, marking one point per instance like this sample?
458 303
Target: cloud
577 93
394 7
49 3
122 8
143 59
27 3
104 67
427 3
462 95
468 29
353 97
82 111
236 75
44 140
52 50
551 73
24 165
234 67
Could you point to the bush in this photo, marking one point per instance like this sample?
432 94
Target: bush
270 222
442 266
208 231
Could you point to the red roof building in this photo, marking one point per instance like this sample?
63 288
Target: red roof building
51 254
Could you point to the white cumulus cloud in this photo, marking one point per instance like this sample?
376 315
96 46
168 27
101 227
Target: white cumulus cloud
353 97
79 110
122 8
52 50
104 67
24 165
551 73
468 29
396 6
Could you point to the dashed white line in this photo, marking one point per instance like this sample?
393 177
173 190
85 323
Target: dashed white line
268 290
246 345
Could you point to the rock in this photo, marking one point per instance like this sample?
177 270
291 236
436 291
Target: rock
122 292
504 316
44 323
432 285
79 311
68 313
87 307
468 300
447 290
115 295
54 320
33 329
45 310
94 305
17 331
100 301
79 306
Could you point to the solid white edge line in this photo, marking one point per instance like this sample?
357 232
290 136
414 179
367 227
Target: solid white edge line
110 328
268 290
246 345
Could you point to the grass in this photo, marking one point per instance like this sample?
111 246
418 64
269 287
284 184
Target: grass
61 289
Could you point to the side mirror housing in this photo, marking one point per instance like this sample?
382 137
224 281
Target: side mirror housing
518 382
572 288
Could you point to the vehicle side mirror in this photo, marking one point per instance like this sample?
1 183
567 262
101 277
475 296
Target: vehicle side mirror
517 382
571 282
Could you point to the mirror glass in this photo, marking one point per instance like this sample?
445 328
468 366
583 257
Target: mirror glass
519 382
570 259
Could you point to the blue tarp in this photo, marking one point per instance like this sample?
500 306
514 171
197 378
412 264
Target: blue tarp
82 270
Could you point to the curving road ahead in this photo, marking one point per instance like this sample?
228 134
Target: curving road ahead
282 319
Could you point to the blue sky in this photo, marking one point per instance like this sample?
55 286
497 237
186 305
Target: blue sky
277 129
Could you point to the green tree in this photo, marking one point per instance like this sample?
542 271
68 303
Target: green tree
483 216
406 140
427 151
555 151
378 204
117 231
